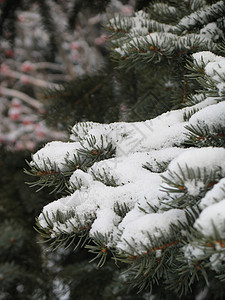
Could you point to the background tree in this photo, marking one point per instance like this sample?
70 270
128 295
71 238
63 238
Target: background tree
23 274
34 57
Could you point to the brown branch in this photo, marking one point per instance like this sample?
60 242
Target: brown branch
29 79
25 98
153 250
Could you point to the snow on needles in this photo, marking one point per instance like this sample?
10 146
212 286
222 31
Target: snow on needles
121 197
214 67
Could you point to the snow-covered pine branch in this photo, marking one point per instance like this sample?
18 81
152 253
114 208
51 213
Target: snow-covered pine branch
150 36
150 194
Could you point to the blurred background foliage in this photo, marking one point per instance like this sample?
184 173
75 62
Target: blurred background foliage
52 44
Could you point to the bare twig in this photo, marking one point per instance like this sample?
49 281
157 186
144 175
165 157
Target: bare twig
29 79
25 98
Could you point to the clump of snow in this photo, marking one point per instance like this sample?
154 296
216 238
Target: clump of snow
216 194
206 57
216 260
212 31
81 178
203 102
205 160
214 68
161 41
164 8
136 233
130 168
55 154
211 221
81 130
194 187
50 211
193 252
166 130
200 16
106 223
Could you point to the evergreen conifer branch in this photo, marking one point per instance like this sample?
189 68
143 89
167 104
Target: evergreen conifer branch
165 221
189 113
10 273
201 17
160 167
54 234
152 208
99 247
206 82
8 18
178 184
118 26
105 178
121 209
164 12
149 268
78 162
193 100
79 96
12 239
50 176
162 260
202 136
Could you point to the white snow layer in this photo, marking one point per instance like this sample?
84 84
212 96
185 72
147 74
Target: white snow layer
214 66
55 154
211 220
142 150
206 116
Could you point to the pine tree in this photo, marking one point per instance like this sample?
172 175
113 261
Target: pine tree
147 69
150 195
22 275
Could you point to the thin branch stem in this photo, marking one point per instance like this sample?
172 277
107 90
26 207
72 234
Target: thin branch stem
29 79
25 98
